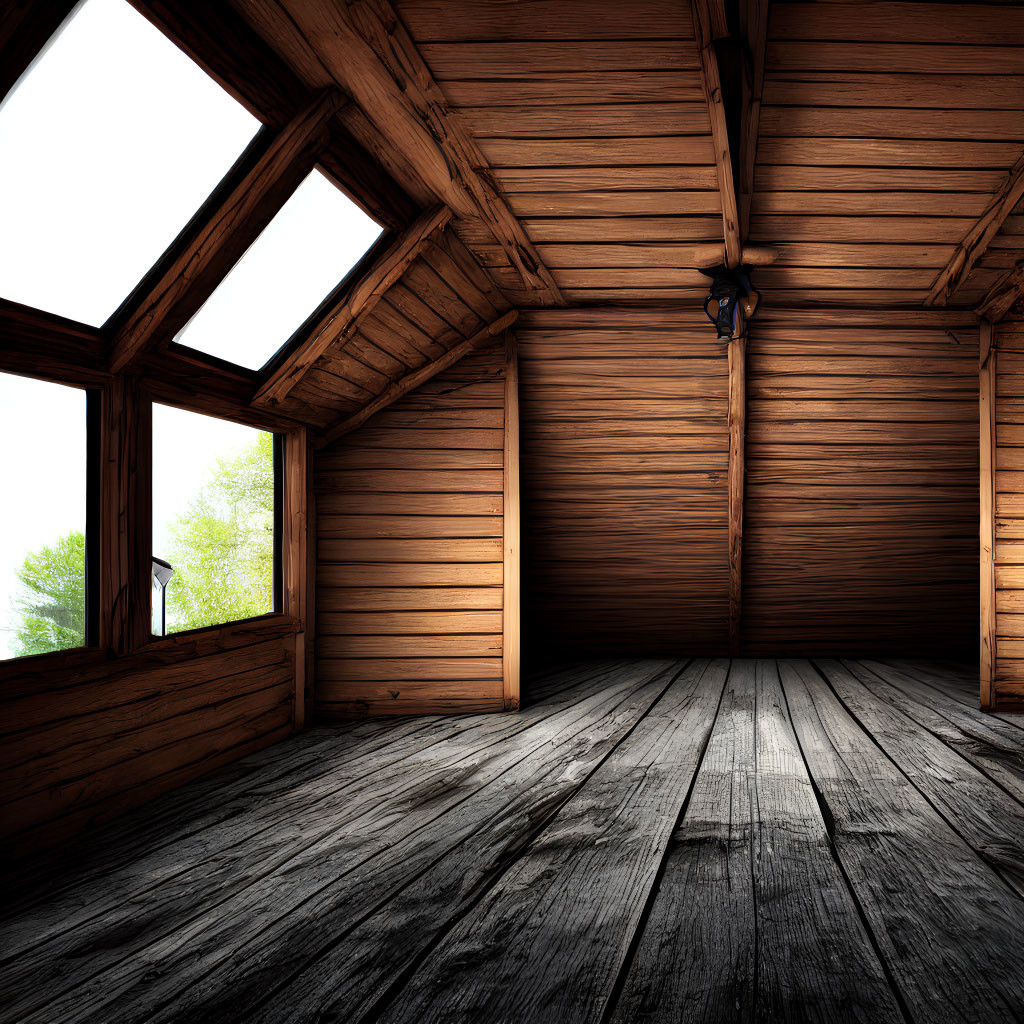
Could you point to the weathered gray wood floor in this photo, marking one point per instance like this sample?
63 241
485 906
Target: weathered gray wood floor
648 841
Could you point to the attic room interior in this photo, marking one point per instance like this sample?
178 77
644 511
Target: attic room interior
512 511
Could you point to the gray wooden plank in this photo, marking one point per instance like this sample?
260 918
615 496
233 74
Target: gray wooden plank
952 683
344 947
991 745
264 883
95 928
752 919
547 941
985 815
941 917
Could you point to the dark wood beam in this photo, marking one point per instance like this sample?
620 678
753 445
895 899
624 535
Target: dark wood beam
367 51
977 240
25 28
50 347
223 232
710 23
340 322
413 380
1003 294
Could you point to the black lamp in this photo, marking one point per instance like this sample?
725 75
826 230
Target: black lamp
731 298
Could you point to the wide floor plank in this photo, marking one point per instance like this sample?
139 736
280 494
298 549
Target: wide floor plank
647 840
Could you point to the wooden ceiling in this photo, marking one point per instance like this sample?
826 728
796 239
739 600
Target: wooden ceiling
590 152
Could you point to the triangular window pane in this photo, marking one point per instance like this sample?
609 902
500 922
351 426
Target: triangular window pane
301 256
111 142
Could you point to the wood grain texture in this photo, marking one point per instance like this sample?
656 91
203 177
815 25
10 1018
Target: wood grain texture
412 520
861 489
987 410
625 451
511 644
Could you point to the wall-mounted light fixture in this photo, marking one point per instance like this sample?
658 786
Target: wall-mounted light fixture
731 299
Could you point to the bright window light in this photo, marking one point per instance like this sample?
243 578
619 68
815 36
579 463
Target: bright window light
42 543
213 520
111 142
301 256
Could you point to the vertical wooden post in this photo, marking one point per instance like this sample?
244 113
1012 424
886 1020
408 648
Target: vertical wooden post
510 653
297 547
987 425
737 437
126 516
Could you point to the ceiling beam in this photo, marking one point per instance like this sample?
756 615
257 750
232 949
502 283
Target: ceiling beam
710 24
977 239
25 29
366 50
754 30
340 321
413 380
227 227
1003 294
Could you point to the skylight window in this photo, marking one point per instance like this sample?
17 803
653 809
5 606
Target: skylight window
301 256
111 142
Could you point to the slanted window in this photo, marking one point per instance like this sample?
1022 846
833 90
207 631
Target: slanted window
111 142
298 260
45 464
215 521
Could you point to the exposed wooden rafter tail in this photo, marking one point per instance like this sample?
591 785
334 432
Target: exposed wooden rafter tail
710 23
1003 294
417 377
977 240
225 231
340 321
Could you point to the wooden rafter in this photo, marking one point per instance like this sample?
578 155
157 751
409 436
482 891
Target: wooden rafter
754 28
366 49
1003 294
417 377
224 233
710 24
977 240
340 321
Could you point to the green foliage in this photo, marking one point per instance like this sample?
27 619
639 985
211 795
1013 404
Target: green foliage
222 548
52 604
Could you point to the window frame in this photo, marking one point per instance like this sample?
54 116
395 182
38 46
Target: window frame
333 298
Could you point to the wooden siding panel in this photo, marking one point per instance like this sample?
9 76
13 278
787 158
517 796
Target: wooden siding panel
410 553
624 460
862 499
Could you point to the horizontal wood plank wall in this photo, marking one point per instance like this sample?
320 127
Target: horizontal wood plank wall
84 745
410 551
861 519
624 468
1009 514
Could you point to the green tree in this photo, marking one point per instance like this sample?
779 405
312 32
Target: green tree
52 603
222 547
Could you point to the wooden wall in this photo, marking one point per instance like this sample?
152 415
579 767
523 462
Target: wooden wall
1007 367
860 527
84 744
624 449
410 551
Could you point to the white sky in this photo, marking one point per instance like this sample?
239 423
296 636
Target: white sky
315 239
119 138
